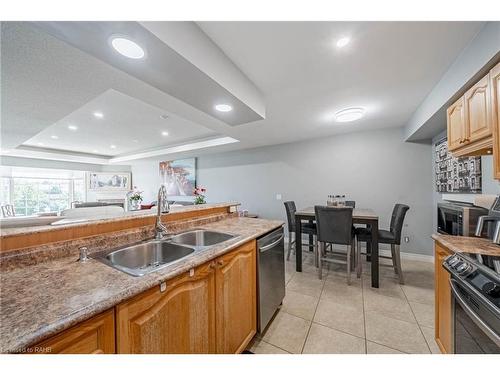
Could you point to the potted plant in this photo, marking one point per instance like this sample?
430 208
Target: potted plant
199 195
135 199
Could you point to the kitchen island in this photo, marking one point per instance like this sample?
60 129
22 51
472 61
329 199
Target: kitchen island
52 298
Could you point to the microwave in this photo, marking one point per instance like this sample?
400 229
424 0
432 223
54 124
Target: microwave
458 219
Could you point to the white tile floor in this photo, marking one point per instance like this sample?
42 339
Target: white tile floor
328 316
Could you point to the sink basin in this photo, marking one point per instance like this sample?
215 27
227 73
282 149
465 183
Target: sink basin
200 238
144 258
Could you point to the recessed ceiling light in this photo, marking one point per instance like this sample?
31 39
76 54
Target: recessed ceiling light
164 134
72 127
127 47
40 143
349 114
54 137
98 114
135 141
95 151
223 108
164 117
342 42
112 146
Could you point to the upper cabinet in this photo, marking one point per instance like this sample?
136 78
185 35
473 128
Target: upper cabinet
495 117
455 124
473 120
477 111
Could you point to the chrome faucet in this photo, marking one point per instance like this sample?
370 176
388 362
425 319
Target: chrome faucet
163 208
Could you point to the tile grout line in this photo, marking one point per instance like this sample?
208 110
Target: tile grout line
311 322
418 324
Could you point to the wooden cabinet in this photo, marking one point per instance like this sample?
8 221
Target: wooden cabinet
443 302
236 299
94 336
477 111
469 124
209 310
178 319
495 118
455 124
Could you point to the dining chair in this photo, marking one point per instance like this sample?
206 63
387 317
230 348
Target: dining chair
334 226
8 210
391 237
306 228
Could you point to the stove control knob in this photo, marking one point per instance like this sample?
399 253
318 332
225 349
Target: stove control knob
453 260
463 268
492 289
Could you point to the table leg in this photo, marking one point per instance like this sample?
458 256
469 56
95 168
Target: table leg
311 239
374 254
298 244
368 246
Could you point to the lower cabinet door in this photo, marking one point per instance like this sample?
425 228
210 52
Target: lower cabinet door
236 299
180 319
94 336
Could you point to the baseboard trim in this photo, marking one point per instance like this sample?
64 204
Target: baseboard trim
410 256
404 255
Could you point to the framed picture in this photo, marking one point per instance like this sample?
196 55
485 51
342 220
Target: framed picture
179 176
109 181
456 175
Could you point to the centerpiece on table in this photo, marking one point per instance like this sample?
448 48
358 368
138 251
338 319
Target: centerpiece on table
199 195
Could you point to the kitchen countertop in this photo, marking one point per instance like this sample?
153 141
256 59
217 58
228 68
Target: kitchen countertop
109 219
41 300
460 244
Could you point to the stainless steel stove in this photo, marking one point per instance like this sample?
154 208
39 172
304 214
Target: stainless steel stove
475 285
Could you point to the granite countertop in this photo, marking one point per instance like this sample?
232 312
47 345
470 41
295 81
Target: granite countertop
41 300
109 219
460 244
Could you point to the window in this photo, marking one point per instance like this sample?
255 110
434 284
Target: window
4 191
33 191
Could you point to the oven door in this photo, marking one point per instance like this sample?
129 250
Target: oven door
449 221
472 334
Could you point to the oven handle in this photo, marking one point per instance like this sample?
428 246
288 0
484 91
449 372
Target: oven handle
486 329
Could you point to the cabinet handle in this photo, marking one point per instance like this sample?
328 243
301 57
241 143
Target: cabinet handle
212 265
220 262
466 140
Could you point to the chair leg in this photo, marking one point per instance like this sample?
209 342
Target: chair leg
358 262
319 254
290 242
349 249
393 258
316 250
398 263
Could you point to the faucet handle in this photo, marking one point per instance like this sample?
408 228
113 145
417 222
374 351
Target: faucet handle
84 254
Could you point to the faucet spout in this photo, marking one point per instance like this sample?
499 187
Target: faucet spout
163 208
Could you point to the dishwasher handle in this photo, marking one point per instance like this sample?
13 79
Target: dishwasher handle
271 245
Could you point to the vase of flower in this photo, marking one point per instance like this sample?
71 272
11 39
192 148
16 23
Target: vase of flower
199 195
135 199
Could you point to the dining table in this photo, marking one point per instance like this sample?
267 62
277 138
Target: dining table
365 216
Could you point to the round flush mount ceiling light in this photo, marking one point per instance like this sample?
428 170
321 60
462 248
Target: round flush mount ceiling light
112 146
223 108
98 114
126 47
164 133
342 42
54 137
72 127
349 114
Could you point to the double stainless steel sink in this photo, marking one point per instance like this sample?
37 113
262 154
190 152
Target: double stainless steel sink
146 257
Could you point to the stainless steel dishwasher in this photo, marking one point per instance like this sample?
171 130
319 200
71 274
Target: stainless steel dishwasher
270 276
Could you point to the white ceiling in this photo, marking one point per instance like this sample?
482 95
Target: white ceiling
388 68
127 123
